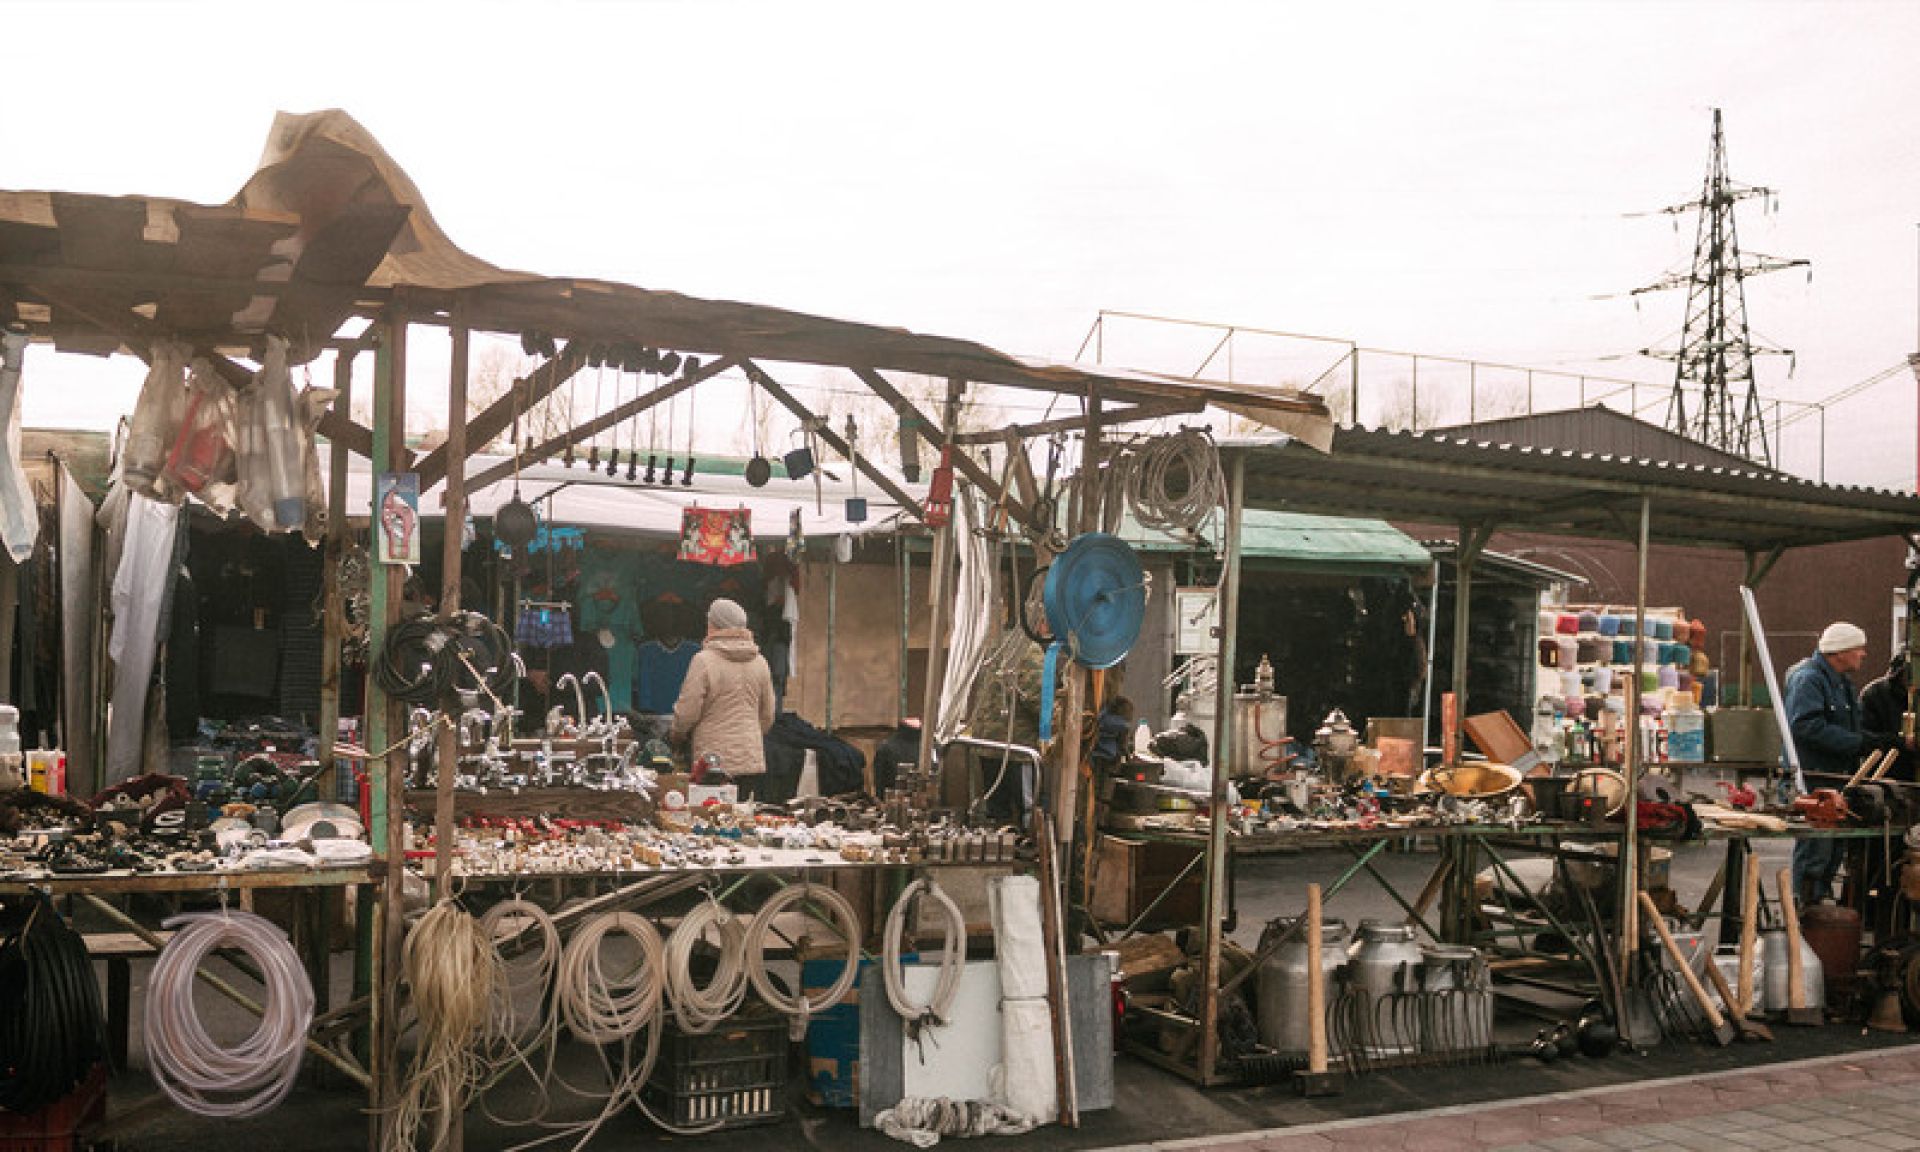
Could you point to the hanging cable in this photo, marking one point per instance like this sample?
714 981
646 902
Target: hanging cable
953 957
50 1020
453 975
194 1069
511 1041
801 1007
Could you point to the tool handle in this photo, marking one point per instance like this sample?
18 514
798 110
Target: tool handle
1714 1019
1796 967
1868 765
1749 926
1316 987
1736 1007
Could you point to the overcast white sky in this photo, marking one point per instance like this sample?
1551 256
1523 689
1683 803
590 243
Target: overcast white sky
1445 178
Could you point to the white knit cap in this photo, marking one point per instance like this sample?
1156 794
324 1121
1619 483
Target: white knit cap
725 613
1841 636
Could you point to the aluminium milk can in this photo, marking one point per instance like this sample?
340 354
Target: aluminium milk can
1282 988
1383 970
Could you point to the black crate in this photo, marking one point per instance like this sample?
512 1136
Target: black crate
734 1076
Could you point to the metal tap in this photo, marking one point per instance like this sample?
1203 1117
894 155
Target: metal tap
605 722
579 699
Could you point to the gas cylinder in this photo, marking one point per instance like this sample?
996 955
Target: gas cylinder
1833 932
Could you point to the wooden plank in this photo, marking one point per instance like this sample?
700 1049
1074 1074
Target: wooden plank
561 803
1154 410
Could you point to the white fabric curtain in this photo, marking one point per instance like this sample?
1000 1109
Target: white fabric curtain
139 585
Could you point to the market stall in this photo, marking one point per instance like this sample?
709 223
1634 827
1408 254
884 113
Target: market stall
328 234
1481 488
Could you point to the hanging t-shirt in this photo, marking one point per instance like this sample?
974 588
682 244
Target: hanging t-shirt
662 670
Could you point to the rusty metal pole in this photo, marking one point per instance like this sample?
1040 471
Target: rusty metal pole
1216 881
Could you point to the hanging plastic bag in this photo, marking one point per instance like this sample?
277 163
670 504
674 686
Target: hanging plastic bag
156 420
19 516
313 406
273 479
201 460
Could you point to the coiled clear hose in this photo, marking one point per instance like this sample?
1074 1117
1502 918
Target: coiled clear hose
193 1068
699 1010
800 1006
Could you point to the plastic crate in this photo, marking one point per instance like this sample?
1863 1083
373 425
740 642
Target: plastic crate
734 1076
56 1128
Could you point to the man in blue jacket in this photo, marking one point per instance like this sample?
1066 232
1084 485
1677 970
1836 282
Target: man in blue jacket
1824 711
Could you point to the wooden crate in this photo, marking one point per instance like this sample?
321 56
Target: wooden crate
1129 874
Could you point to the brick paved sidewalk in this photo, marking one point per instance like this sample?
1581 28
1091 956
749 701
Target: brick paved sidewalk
1862 1102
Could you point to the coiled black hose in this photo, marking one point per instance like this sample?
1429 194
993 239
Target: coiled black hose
425 659
51 1033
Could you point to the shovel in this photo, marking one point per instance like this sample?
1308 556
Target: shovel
1723 1033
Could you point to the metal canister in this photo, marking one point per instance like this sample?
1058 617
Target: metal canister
1775 978
1282 984
1383 976
1458 996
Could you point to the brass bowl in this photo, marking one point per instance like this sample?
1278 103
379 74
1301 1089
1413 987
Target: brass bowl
1475 781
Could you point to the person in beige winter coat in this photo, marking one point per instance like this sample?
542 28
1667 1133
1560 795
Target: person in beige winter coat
726 702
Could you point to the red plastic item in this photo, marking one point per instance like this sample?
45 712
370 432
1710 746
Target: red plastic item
56 1128
939 502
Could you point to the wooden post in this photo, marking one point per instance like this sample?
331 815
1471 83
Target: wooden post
1216 882
453 533
333 619
386 720
1629 865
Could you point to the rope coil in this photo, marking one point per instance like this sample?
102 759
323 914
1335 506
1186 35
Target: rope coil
1174 483
196 1071
953 954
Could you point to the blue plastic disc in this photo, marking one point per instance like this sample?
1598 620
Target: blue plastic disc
1096 599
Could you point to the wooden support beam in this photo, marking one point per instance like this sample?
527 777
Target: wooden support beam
333 619
936 436
525 393
881 479
453 524
1142 411
599 424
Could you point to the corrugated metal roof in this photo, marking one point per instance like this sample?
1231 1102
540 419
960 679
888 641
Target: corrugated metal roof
1597 428
1445 479
1296 539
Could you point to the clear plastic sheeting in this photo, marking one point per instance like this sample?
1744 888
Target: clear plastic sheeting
139 587
19 519
976 616
271 461
156 418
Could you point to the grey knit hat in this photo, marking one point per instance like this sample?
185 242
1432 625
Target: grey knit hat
726 614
